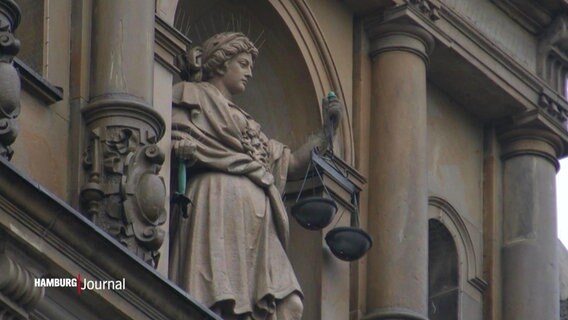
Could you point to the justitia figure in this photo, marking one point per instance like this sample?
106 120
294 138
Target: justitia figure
229 253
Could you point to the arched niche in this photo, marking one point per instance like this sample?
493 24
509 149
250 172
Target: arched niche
293 71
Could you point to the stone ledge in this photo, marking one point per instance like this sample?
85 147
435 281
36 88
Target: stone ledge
169 43
65 240
37 85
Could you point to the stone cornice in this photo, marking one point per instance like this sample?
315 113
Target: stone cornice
170 43
65 240
530 94
430 8
363 7
486 45
551 103
531 15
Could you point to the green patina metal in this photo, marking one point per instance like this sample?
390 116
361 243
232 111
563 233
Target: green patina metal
182 170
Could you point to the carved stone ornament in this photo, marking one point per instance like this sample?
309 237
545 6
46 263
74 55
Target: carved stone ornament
124 194
430 8
190 64
553 54
9 79
553 107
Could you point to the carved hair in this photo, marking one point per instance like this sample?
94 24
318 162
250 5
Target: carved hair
221 48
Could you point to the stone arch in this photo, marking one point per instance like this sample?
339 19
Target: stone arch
443 272
470 266
294 69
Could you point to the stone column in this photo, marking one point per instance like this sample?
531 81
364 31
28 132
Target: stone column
9 80
530 263
123 193
398 199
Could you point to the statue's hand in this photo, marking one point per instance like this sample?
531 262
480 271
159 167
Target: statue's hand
185 150
332 113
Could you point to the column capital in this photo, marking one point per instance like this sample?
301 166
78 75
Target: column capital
527 141
398 36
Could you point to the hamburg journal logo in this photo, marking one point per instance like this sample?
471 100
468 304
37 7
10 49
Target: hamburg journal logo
80 284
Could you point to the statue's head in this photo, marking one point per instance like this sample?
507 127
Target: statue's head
222 48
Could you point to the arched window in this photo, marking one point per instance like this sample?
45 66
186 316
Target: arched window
443 273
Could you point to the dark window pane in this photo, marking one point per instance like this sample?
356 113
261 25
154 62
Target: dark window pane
443 288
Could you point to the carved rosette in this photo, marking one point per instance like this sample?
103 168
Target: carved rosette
124 195
9 79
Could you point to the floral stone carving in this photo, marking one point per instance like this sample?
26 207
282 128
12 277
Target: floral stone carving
124 195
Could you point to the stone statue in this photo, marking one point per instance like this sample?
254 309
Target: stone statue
229 252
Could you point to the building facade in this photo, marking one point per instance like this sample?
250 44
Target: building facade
454 122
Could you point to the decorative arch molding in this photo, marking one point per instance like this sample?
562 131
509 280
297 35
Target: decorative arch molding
305 30
452 220
166 9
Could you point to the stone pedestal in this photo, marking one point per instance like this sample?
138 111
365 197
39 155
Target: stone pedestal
398 199
530 263
123 193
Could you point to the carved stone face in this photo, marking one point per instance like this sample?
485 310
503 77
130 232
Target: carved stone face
237 74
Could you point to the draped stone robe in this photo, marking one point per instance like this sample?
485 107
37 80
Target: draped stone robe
231 248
